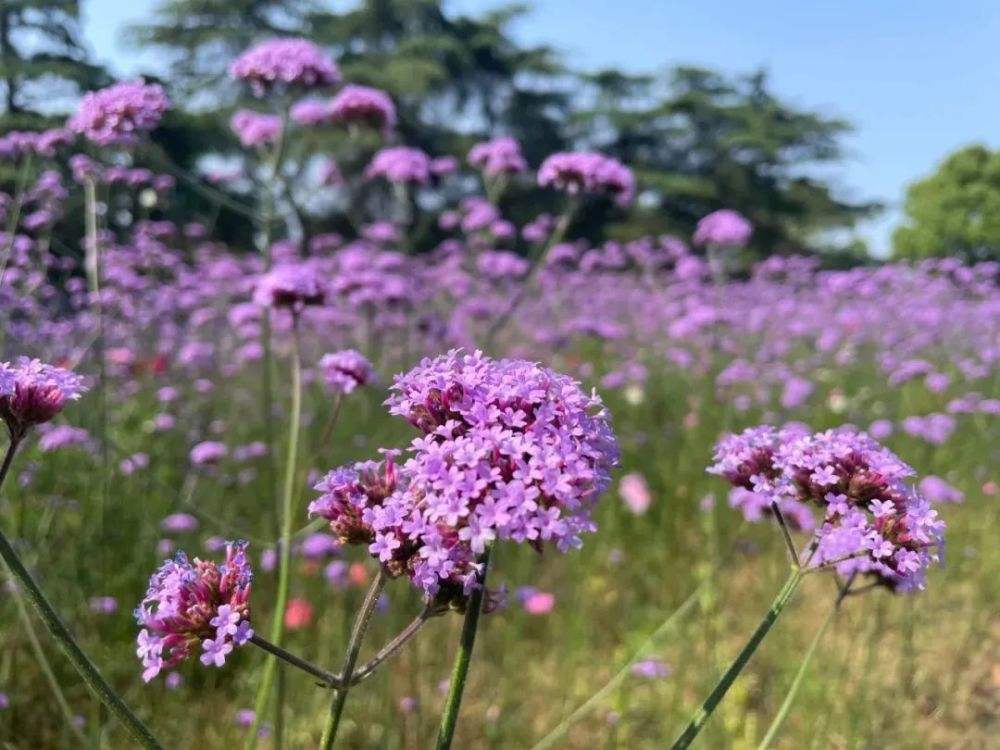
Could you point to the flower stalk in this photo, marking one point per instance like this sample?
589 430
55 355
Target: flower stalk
460 672
361 623
285 544
702 715
84 666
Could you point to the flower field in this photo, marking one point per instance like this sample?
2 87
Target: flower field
453 475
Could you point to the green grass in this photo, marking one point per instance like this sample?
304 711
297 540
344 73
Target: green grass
892 671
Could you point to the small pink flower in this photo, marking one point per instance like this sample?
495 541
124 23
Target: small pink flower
634 491
539 603
298 614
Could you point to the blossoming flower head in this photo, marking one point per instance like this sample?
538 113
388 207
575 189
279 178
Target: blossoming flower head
32 392
872 520
290 284
498 156
193 606
400 164
346 370
588 172
363 105
208 453
510 450
284 63
255 128
723 227
119 114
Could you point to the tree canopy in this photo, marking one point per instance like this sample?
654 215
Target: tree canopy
42 58
954 211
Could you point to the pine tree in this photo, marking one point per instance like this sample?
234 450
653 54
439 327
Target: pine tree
42 59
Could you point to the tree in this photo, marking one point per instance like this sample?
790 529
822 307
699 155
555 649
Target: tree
701 141
955 211
201 38
41 58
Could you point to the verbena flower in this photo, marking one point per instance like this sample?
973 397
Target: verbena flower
363 105
400 164
195 606
293 285
346 370
255 128
119 114
208 453
869 513
498 156
286 63
723 227
588 172
32 392
510 450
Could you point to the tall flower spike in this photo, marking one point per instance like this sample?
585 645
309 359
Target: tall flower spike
32 392
195 606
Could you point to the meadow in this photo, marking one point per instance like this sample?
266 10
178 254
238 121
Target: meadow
197 427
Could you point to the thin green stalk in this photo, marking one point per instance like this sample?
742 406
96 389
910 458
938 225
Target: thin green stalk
92 264
361 623
558 233
84 666
327 678
449 719
564 726
285 552
702 715
43 661
793 689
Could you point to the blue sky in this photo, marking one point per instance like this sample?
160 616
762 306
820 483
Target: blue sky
918 78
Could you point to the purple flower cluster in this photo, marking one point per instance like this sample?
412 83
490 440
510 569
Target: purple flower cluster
723 227
284 63
873 522
363 105
588 172
346 370
195 603
498 156
119 114
255 128
32 392
17 144
401 165
510 450
290 284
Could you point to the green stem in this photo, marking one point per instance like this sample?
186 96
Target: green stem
558 233
327 678
43 662
556 734
361 623
702 715
449 719
285 552
84 666
786 704
387 651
